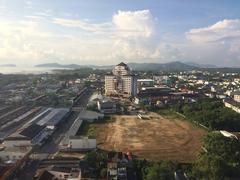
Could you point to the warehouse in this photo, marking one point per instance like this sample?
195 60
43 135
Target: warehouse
54 117
28 136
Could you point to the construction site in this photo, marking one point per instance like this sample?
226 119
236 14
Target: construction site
153 138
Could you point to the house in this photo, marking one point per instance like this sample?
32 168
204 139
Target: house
61 168
120 166
60 173
236 96
90 116
234 105
107 106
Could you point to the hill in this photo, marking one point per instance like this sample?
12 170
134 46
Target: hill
172 66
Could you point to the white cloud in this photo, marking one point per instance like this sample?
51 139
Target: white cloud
84 25
219 31
218 43
129 35
134 24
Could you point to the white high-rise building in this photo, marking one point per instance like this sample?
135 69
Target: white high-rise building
121 82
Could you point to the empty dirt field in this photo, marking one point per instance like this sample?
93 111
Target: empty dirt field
158 138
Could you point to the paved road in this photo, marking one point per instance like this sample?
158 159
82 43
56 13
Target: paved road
49 148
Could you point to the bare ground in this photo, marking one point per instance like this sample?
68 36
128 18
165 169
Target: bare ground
156 139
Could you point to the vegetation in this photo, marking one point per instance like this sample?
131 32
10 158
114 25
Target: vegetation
98 161
211 114
221 160
154 170
87 129
78 73
11 78
170 113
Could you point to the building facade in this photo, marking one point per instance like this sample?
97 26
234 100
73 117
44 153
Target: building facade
121 82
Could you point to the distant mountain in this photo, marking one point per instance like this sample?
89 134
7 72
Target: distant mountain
201 65
57 65
171 66
8 65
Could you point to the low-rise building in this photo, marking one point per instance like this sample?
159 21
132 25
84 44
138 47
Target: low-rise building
234 105
82 143
90 116
107 106
236 96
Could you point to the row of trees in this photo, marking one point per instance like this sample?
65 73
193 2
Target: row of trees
211 114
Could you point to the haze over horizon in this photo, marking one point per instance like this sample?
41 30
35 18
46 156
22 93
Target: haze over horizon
102 33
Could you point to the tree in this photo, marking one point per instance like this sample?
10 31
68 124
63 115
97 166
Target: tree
220 161
160 171
91 158
212 114
103 173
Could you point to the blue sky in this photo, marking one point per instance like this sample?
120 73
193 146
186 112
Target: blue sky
109 31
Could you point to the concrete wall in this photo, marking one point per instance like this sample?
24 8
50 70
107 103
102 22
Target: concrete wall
82 143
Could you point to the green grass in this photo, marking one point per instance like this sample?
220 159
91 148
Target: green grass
169 113
87 129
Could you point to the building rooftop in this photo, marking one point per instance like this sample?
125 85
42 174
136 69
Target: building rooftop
53 117
90 115
32 130
45 175
145 80
122 64
232 102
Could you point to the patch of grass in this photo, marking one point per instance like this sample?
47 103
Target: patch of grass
87 129
106 119
169 113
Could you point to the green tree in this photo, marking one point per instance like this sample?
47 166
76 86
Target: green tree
91 158
103 173
160 171
221 159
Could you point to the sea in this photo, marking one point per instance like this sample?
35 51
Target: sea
28 70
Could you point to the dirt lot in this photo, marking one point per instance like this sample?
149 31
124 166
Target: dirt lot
156 139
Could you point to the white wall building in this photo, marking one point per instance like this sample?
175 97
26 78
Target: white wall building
121 82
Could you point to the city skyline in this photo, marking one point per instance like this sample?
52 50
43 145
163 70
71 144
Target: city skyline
35 32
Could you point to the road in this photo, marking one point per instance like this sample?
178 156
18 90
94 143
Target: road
50 147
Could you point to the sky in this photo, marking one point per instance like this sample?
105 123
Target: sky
104 32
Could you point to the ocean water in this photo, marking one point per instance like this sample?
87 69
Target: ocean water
27 70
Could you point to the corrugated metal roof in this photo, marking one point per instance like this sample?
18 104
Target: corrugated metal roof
32 130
